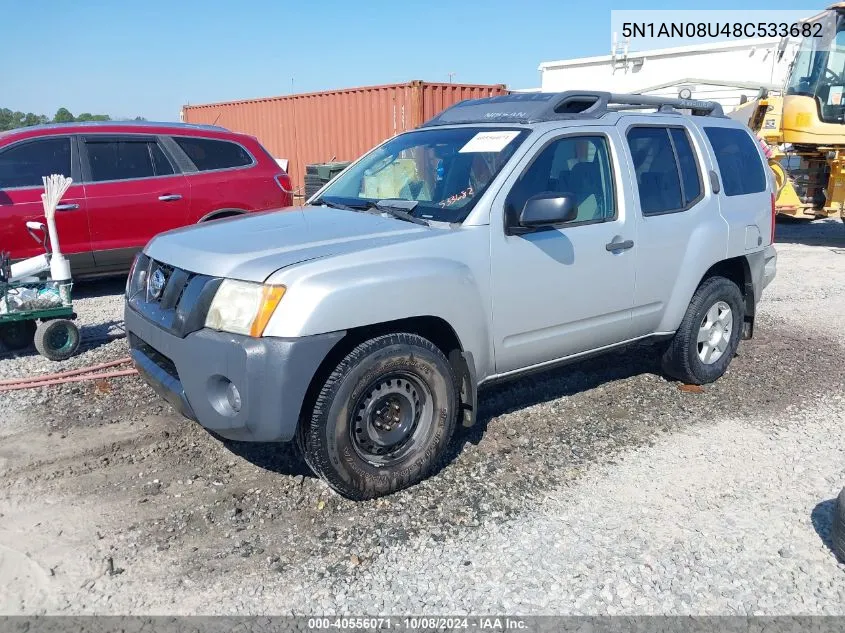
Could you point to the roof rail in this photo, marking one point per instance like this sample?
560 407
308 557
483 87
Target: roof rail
696 106
572 104
176 124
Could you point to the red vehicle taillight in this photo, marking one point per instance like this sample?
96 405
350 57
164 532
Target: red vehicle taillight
283 180
774 213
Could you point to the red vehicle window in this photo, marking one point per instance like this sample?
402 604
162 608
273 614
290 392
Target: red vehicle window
160 163
121 159
23 165
208 154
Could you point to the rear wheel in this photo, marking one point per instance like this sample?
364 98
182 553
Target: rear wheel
709 334
383 418
57 339
17 335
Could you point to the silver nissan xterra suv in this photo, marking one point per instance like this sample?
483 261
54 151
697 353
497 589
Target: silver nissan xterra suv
505 235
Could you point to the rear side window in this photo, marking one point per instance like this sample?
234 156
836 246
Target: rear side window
125 159
668 178
208 154
690 179
24 165
738 159
656 170
160 163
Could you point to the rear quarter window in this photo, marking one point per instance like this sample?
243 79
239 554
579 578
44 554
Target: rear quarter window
739 161
208 154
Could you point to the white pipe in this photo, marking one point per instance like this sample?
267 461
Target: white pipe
29 267
55 187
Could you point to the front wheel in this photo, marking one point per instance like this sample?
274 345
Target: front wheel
383 418
709 334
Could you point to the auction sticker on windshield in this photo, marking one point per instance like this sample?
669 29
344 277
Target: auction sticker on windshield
489 142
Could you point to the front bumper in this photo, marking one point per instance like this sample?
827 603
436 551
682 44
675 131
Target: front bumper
192 373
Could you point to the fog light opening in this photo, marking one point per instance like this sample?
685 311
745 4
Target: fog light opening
233 397
225 396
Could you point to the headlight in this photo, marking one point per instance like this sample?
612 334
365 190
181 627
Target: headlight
242 307
137 280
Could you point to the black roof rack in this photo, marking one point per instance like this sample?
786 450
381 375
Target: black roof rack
534 107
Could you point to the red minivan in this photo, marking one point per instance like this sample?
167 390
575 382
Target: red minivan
131 180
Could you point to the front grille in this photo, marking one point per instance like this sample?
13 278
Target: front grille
178 303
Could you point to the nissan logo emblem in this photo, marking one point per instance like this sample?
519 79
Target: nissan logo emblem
156 284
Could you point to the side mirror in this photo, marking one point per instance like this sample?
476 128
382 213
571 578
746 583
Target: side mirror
547 210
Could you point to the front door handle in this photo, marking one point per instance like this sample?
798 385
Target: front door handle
619 246
170 197
68 206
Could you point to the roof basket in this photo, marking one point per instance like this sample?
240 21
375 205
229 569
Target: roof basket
572 104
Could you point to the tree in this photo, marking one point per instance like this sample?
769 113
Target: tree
87 116
34 119
10 120
63 115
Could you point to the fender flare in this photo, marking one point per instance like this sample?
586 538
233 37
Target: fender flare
351 297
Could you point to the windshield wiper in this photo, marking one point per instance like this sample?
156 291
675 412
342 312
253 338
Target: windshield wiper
334 205
399 209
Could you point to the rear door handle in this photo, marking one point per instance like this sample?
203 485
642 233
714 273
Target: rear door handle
68 206
619 246
170 197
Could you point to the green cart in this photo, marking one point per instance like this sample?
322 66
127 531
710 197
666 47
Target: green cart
38 312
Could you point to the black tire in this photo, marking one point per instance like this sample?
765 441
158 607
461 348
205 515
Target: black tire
407 396
681 359
17 335
57 339
837 530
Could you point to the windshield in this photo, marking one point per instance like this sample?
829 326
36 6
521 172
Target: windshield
444 171
819 69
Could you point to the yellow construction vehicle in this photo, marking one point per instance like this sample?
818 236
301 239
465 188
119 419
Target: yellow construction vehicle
804 127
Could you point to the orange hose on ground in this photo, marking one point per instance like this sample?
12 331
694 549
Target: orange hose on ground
64 374
32 384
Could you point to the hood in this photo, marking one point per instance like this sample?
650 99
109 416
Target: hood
254 246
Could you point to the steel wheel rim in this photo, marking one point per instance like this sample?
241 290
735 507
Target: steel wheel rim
59 339
386 419
714 333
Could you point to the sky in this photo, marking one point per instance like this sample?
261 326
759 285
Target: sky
148 58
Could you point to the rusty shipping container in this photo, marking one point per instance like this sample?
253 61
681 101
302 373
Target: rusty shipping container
336 125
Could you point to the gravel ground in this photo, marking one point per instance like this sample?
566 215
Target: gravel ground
599 488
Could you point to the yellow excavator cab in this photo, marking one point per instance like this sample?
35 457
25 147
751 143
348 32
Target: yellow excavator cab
814 100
